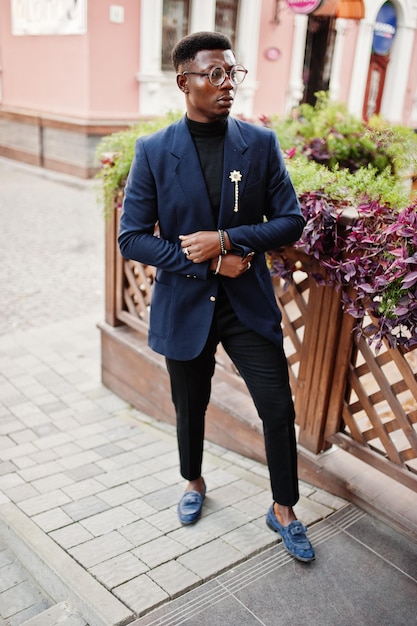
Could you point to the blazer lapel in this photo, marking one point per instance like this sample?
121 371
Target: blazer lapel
191 178
236 165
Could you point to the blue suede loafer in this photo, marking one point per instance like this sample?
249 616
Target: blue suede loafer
294 537
190 506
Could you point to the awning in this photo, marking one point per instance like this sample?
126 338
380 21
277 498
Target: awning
349 9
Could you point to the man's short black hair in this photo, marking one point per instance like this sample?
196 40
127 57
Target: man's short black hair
186 49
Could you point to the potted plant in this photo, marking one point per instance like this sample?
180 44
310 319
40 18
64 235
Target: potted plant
362 230
115 154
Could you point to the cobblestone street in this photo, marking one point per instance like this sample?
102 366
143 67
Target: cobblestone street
51 247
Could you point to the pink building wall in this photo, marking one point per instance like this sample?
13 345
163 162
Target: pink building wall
346 67
113 61
273 75
87 76
46 73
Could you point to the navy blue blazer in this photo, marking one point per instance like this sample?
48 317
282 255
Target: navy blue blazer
166 186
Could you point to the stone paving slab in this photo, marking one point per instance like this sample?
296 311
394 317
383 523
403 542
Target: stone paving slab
20 596
60 576
62 614
23 601
365 573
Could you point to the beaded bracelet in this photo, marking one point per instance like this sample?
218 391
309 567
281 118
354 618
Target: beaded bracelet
222 242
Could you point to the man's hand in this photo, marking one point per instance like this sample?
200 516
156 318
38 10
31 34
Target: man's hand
205 246
201 246
232 265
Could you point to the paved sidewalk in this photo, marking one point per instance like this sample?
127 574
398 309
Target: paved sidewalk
89 486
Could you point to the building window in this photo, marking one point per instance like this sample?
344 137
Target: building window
174 26
226 18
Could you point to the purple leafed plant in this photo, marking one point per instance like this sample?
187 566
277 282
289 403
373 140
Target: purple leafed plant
375 254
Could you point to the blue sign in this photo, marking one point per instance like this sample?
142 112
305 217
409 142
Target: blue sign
384 29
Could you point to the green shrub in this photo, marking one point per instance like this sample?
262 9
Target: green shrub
115 154
331 136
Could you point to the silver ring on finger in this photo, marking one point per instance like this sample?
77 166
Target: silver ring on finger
186 251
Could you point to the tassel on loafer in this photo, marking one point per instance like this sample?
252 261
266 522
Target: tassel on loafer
190 506
294 537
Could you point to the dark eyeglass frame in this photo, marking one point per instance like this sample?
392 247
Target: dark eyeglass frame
226 73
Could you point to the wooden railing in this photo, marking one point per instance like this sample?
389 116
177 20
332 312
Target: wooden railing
345 394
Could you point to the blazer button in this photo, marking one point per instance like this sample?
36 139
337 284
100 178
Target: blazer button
212 298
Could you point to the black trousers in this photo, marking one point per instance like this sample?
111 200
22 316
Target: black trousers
263 366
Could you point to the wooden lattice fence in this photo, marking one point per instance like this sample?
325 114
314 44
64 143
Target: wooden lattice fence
345 392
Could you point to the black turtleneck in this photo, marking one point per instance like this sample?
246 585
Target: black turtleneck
209 141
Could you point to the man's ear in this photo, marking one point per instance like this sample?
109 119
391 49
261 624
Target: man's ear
182 83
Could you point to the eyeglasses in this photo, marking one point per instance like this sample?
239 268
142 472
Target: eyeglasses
217 75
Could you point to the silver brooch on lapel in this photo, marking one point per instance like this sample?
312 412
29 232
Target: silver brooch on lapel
236 177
